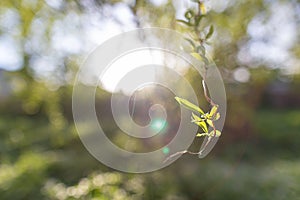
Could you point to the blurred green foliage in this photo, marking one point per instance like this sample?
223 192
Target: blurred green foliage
257 157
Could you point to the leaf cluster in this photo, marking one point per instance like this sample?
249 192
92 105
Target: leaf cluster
199 34
203 120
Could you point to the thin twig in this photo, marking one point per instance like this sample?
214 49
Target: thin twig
180 153
209 100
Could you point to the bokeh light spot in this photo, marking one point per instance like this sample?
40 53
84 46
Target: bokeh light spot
166 150
158 124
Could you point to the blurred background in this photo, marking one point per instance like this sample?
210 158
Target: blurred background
256 47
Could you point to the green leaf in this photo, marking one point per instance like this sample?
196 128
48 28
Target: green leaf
210 123
191 42
213 111
201 50
197 56
200 122
217 117
200 58
189 14
215 134
205 60
202 8
184 22
203 125
202 134
211 134
189 105
210 32
198 19
196 118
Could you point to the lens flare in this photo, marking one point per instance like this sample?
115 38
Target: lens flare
158 124
166 150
